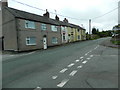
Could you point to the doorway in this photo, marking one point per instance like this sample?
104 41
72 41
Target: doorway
44 43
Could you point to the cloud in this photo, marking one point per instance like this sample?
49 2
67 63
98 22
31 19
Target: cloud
81 9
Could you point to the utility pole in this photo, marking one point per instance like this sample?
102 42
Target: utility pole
89 28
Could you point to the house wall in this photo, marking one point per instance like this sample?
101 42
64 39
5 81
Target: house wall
38 33
64 31
83 35
9 30
78 33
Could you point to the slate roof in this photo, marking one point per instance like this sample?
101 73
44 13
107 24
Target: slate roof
38 18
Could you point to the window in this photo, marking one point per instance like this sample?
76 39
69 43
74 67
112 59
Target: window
62 28
29 24
54 28
54 40
43 27
64 36
30 41
78 36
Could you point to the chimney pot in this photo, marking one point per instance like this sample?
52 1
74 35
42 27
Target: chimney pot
4 3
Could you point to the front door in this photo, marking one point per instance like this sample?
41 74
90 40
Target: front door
44 43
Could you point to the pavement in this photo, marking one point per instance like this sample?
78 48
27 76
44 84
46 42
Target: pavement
85 64
108 43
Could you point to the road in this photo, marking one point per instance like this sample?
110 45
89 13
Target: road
84 64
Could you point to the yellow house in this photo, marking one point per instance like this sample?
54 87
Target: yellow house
83 34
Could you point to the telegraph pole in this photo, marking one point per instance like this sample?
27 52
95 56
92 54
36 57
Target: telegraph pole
89 28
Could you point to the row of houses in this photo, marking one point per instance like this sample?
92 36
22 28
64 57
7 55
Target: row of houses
26 31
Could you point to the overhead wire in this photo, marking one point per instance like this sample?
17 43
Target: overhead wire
49 12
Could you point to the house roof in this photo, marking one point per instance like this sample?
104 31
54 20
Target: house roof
39 18
30 16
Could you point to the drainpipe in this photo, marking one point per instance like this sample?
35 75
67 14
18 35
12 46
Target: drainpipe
17 34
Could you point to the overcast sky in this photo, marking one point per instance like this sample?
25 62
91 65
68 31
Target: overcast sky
83 10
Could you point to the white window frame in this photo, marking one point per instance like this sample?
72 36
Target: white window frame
28 39
56 42
54 28
27 24
43 27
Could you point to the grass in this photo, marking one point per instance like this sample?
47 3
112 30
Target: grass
116 42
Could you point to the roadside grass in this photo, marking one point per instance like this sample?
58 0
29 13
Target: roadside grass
116 42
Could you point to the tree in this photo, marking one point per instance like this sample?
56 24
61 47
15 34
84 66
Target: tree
94 30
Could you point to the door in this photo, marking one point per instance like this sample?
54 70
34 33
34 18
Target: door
44 43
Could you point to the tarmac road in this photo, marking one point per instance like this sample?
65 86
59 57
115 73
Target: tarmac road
85 64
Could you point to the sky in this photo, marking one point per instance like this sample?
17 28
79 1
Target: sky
81 10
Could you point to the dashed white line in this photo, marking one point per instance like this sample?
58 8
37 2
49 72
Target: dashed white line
88 58
79 66
63 70
73 73
54 77
81 57
62 83
84 62
70 65
91 55
77 60
38 88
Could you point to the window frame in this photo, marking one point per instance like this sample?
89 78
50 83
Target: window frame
28 24
56 41
28 39
54 28
43 27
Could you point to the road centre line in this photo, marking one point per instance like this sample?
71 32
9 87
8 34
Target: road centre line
73 73
81 57
91 55
79 66
77 60
88 58
38 88
70 65
63 70
62 83
84 62
54 77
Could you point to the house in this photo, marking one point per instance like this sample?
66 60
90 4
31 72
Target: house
26 31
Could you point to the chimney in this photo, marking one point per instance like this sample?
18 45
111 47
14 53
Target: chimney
4 3
65 20
56 18
46 14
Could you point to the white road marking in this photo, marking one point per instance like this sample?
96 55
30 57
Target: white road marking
88 58
12 55
86 54
63 70
91 55
84 62
79 67
73 73
54 77
62 83
77 60
38 88
81 57
70 65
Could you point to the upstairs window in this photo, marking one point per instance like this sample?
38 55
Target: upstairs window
29 24
43 27
54 28
30 41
